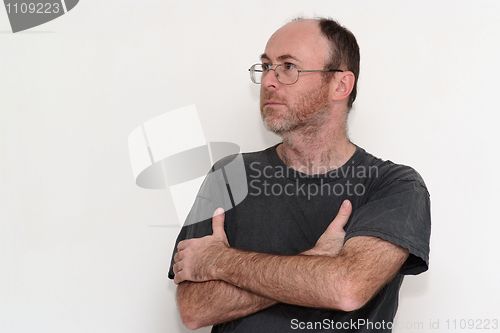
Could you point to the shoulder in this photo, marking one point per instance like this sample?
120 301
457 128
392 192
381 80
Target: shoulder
390 175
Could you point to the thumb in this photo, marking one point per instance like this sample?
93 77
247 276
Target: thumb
218 223
342 217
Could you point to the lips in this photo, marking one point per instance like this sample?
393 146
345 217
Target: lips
266 103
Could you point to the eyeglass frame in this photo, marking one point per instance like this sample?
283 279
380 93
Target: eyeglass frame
298 72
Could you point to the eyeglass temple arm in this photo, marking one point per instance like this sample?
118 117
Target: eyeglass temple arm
320 70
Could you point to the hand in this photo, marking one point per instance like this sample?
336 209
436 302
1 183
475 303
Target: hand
332 240
195 258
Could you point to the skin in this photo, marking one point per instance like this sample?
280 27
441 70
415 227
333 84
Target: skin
309 115
217 283
345 281
214 302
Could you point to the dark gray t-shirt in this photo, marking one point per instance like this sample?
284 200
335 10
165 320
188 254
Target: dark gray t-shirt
278 210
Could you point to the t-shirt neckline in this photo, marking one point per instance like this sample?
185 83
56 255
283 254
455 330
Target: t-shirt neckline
329 175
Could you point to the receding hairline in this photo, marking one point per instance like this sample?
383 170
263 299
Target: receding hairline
295 21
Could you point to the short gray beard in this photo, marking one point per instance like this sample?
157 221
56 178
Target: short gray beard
280 127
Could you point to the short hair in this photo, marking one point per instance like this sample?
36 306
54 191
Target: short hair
344 50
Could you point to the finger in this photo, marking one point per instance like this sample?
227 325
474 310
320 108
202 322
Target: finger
181 276
218 223
182 245
342 217
176 268
177 257
178 278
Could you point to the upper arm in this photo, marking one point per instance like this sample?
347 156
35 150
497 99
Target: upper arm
370 264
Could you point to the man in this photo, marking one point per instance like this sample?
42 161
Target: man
280 260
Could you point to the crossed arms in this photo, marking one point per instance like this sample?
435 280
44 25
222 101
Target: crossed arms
218 283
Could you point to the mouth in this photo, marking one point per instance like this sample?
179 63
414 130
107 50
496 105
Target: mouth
272 103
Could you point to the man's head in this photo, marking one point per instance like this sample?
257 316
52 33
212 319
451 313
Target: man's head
308 44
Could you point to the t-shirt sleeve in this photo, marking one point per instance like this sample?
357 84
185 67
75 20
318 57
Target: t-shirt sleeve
398 211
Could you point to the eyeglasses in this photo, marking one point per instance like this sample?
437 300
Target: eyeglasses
286 73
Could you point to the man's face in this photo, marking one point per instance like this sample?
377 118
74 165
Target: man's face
285 108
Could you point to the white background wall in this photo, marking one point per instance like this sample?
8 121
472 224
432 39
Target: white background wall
77 249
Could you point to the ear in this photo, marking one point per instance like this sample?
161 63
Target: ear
342 85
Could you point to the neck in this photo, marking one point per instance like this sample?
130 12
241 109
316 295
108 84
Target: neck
317 148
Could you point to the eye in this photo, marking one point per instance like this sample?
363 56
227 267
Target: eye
289 66
266 67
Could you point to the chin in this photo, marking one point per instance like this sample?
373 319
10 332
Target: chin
278 126
277 121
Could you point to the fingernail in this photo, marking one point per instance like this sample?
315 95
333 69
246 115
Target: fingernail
219 211
346 203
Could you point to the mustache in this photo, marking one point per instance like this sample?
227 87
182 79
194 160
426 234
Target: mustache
265 96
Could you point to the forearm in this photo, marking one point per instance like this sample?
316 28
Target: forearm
213 302
310 281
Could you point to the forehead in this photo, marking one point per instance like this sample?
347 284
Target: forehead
302 40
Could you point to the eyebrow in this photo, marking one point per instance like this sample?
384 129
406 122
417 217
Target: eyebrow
281 57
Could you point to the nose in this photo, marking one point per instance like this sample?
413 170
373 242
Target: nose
269 80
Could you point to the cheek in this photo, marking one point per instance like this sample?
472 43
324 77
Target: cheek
309 102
